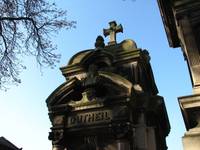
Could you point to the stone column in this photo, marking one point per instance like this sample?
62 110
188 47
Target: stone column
123 145
145 136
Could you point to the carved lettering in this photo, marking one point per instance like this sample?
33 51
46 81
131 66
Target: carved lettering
89 118
99 116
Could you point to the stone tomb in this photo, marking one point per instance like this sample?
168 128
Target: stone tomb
109 100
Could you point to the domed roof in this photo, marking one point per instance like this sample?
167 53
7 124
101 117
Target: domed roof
79 56
125 45
128 44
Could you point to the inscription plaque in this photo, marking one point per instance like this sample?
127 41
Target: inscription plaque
89 118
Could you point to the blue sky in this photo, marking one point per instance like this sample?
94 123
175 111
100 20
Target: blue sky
23 111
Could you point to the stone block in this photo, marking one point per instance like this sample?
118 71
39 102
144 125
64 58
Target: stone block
191 139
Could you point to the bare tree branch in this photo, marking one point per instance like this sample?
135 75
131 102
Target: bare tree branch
25 29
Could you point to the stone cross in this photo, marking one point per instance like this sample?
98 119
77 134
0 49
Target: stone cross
114 28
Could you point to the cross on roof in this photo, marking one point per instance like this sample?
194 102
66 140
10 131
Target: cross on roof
112 31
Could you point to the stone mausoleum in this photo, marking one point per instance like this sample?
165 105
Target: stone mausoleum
181 20
109 100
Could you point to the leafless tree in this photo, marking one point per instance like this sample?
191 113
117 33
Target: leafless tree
26 27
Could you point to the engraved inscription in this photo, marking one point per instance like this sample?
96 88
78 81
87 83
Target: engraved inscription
89 118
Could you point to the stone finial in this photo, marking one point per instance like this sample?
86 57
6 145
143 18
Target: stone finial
112 31
99 42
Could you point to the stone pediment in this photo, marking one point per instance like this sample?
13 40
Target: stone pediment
105 86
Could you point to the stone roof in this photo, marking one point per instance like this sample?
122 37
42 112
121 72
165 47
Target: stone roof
166 10
7 144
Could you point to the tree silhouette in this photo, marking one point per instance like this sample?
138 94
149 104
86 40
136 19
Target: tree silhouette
26 27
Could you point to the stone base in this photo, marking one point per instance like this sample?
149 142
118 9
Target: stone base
191 139
190 107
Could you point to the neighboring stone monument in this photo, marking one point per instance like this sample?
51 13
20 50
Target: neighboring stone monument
7 145
109 100
181 19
